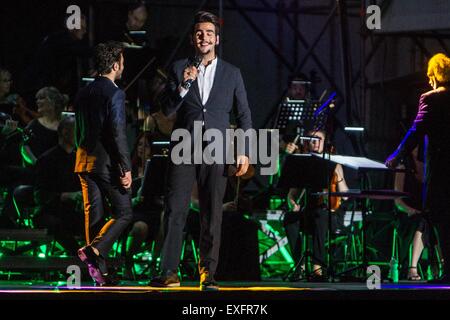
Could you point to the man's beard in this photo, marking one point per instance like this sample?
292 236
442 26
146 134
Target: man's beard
209 49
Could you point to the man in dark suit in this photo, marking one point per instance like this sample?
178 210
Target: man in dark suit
432 120
103 161
217 88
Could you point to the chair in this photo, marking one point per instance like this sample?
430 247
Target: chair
23 201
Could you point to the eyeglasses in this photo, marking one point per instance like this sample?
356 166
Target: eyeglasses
5 80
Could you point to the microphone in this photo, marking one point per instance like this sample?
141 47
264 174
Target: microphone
194 63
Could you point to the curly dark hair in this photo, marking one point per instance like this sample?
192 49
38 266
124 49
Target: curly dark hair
205 16
106 54
135 5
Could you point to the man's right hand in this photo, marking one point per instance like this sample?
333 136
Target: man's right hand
294 206
126 180
190 73
291 147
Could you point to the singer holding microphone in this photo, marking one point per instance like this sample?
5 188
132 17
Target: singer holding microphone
204 89
102 160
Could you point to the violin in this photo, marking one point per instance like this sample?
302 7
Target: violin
22 112
335 202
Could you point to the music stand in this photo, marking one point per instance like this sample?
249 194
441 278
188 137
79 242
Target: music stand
299 113
304 171
154 182
362 165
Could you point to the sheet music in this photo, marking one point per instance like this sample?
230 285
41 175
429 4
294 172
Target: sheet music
356 163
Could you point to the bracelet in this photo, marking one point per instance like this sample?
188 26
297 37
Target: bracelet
339 181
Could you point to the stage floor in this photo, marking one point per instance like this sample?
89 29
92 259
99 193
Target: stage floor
264 290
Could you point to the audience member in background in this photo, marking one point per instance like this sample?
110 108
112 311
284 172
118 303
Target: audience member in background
10 141
57 190
299 89
12 103
132 31
141 153
136 20
43 130
11 169
59 61
7 99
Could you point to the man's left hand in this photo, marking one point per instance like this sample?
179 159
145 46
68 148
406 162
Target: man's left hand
242 165
126 180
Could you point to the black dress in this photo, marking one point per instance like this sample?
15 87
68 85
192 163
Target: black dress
41 139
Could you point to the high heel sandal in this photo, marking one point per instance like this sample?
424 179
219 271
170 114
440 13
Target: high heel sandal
414 277
317 276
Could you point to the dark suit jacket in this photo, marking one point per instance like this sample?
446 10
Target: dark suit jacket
432 120
227 95
100 128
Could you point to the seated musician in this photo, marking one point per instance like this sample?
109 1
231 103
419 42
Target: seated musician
57 191
147 211
11 103
44 135
313 210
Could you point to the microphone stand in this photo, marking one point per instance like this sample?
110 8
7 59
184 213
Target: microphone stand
140 73
327 132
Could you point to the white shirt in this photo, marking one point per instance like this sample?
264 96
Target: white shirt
205 80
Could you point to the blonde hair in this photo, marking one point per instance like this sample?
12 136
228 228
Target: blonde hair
58 100
439 68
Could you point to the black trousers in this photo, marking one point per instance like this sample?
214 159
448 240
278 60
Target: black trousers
64 228
211 182
98 188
